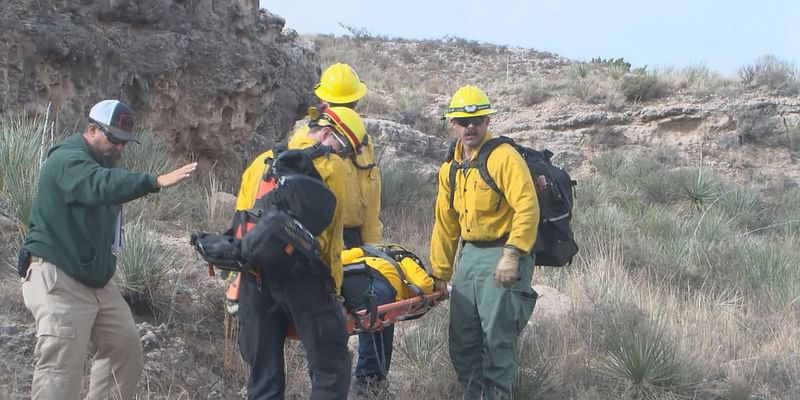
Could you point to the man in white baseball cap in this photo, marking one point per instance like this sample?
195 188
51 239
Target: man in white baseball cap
115 118
70 256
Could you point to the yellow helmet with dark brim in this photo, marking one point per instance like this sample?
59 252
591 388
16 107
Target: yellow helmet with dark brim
346 122
469 101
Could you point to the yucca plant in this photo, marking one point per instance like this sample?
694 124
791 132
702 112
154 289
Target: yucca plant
699 187
142 265
641 356
24 142
743 207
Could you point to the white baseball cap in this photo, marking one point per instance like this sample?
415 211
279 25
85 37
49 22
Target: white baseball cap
115 118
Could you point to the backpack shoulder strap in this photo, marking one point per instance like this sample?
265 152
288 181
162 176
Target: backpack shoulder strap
374 252
481 162
454 166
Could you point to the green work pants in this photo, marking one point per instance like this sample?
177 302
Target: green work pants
485 322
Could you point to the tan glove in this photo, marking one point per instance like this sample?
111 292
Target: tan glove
440 285
507 271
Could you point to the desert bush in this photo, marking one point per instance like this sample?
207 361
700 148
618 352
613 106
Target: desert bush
535 92
359 35
641 86
142 265
605 137
578 70
473 46
772 73
758 126
374 104
412 111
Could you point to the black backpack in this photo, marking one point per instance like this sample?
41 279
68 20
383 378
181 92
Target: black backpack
555 243
278 235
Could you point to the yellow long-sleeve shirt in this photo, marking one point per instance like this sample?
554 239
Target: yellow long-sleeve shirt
331 169
415 274
362 201
479 213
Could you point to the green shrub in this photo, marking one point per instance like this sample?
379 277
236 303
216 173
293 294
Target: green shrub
617 67
578 70
638 87
142 265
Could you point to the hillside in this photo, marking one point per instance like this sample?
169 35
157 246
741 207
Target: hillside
687 214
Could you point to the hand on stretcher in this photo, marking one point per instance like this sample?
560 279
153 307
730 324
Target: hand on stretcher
388 314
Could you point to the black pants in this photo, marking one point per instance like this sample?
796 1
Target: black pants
310 305
352 237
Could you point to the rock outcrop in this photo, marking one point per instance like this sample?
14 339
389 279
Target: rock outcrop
216 77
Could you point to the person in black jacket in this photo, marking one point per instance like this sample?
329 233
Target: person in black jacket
73 240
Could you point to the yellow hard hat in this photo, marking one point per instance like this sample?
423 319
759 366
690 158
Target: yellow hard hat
344 121
469 101
339 84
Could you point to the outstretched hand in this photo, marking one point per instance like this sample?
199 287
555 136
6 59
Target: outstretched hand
176 176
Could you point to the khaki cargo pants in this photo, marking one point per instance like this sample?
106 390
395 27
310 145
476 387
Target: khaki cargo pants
71 317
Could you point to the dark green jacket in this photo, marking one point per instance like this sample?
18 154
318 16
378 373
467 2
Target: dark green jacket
74 214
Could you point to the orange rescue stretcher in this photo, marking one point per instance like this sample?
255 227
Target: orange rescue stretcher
388 314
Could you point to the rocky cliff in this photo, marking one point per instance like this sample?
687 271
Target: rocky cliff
212 76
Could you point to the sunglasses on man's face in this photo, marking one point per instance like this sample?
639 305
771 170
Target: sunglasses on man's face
110 138
465 122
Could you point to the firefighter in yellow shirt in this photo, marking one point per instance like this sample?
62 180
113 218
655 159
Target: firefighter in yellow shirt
492 298
266 309
340 86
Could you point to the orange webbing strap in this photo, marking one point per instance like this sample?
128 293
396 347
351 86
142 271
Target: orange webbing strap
244 225
388 314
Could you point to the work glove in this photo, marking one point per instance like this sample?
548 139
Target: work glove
440 285
507 271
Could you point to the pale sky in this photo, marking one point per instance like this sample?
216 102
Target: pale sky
723 35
